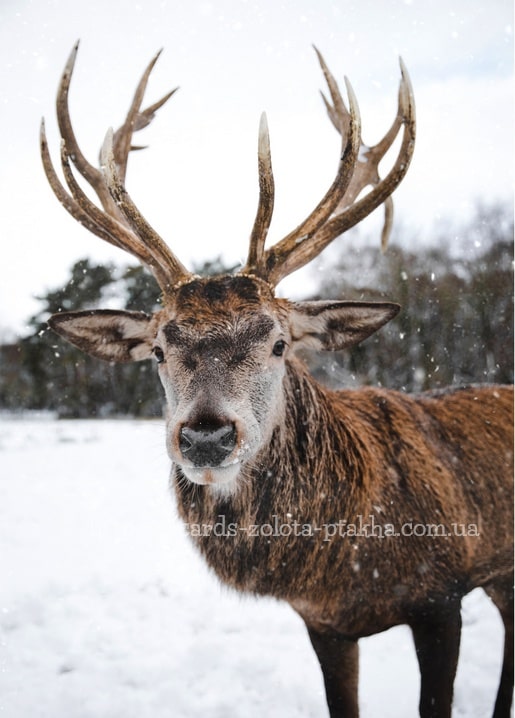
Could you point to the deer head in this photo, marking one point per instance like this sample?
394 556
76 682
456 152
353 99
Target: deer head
222 344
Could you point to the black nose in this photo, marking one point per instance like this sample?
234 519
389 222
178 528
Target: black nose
207 444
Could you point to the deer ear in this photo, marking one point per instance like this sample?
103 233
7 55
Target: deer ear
106 334
336 325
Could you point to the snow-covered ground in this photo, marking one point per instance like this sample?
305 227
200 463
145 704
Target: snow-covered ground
107 612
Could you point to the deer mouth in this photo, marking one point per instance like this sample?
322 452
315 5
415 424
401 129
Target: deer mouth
215 476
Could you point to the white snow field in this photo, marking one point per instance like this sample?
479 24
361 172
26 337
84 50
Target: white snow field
106 611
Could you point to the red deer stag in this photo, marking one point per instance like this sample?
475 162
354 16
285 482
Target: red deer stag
304 478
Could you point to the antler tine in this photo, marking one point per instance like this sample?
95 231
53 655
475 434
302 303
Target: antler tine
266 201
90 173
136 119
340 116
173 268
285 257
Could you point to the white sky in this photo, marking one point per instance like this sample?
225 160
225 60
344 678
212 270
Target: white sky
197 182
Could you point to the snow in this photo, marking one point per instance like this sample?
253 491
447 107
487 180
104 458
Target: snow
106 610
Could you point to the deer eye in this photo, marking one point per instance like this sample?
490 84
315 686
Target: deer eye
278 348
159 354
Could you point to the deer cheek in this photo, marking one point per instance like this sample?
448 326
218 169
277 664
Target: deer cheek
171 393
266 401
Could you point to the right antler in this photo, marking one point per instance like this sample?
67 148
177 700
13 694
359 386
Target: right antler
338 211
119 222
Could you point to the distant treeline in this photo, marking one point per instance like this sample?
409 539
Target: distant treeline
455 327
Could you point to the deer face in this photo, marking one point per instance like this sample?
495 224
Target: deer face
221 346
220 355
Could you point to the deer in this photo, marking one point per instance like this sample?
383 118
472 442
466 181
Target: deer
320 493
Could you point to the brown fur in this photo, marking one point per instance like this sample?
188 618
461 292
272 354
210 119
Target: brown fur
344 455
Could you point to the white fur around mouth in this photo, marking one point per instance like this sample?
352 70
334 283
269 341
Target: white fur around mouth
223 477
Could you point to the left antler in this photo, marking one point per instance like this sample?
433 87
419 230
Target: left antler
338 211
119 222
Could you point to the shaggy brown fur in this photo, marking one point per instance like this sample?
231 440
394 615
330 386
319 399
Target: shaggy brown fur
379 477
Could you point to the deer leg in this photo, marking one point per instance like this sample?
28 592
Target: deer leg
437 643
339 660
501 594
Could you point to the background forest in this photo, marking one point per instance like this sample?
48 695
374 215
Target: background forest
455 327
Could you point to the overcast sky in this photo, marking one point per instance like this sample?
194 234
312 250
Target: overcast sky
197 182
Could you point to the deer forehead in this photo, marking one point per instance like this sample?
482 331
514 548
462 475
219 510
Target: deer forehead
222 313
238 291
236 331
